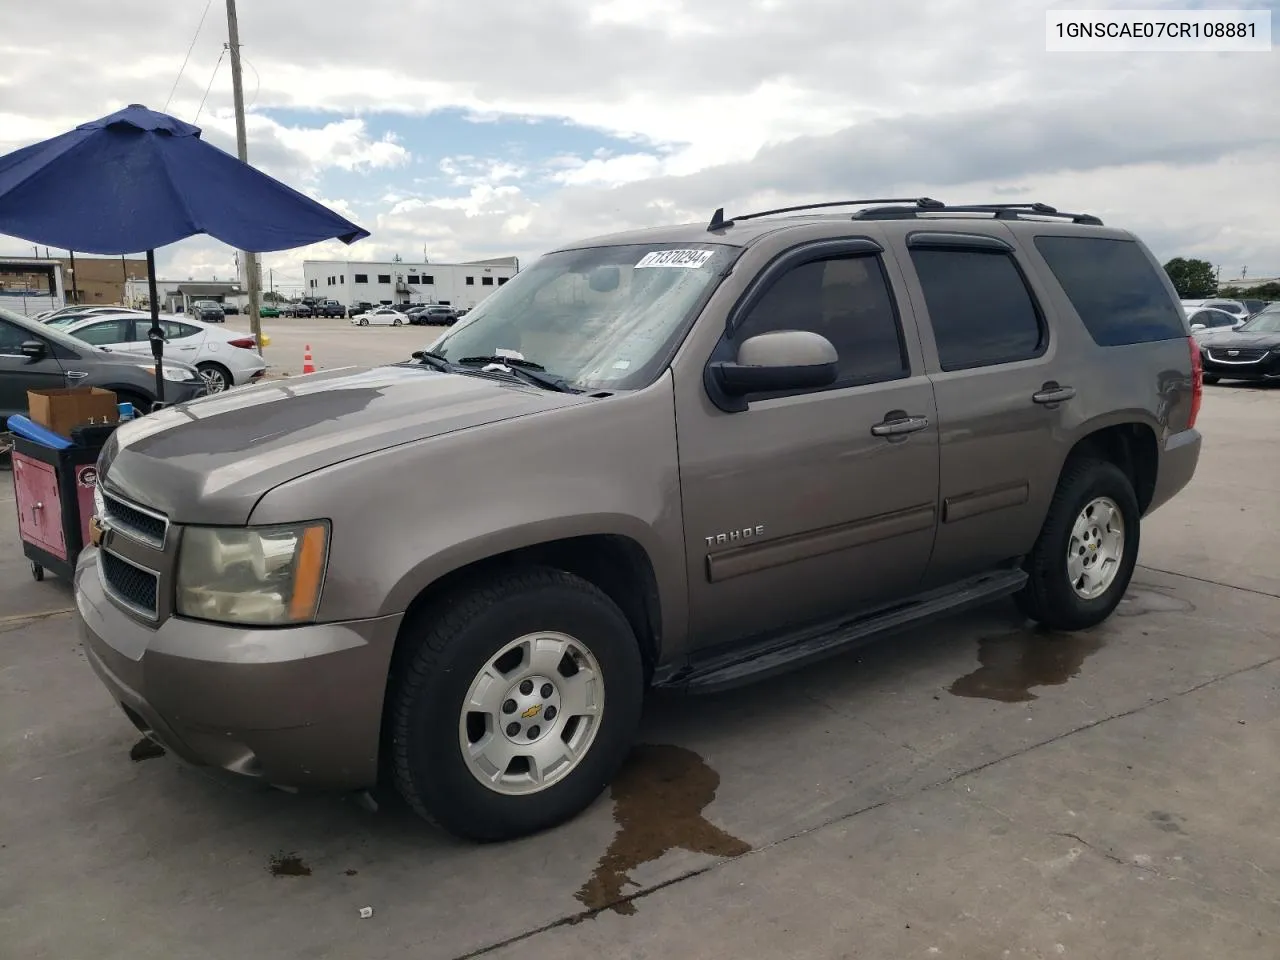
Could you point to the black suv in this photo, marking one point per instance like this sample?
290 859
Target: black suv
208 311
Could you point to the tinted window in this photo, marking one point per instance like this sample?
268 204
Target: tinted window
175 331
362 278
1213 318
105 332
980 308
428 280
12 338
1114 287
847 300
384 278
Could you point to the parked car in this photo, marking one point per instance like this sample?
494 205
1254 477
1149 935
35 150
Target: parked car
359 307
1210 319
384 316
1250 352
231 309
208 311
1254 306
435 315
329 308
268 310
83 311
1233 307
749 445
38 356
297 310
225 358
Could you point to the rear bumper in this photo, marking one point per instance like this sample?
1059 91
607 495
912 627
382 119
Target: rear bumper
1178 460
298 707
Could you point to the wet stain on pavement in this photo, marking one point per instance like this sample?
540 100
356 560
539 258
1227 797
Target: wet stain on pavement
658 798
145 749
1140 601
1013 663
1167 822
288 865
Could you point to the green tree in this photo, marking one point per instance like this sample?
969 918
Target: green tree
1193 279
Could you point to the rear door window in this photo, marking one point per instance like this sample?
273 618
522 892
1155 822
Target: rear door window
979 307
104 332
1115 289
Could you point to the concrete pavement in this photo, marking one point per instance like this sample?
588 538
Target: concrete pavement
971 789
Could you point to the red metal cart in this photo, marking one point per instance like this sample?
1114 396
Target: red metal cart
53 490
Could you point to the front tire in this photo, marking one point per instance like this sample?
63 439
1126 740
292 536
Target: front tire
364 323
1083 559
396 322
514 705
1210 379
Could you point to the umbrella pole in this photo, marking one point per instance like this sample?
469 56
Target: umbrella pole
155 334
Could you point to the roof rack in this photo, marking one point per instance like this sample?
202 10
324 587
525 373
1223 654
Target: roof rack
718 221
1000 211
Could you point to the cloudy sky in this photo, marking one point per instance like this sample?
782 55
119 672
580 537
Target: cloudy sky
497 127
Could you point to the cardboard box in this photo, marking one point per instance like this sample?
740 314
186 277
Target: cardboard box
64 410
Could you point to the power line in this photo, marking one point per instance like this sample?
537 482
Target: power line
182 69
210 86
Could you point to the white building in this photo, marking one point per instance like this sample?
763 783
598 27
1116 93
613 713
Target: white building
176 296
457 284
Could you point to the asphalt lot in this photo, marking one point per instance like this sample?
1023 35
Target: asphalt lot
335 343
966 790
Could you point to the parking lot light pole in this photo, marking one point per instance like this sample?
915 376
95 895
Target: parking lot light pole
248 258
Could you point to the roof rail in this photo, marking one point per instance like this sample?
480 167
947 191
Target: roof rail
1000 211
718 221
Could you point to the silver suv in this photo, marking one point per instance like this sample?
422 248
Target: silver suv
682 457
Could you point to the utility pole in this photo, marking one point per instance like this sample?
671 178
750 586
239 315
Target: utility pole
248 258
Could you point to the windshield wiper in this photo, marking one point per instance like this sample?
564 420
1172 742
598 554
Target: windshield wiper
526 370
432 360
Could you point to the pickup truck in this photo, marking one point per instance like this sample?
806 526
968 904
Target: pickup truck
328 308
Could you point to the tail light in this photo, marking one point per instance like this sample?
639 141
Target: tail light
1197 382
248 344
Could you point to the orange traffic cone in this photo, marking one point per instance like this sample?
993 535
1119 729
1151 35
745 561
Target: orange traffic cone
307 365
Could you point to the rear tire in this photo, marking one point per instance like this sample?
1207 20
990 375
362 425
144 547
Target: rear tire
1094 503
217 378
457 704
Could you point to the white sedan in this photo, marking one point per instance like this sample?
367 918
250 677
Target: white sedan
225 358
385 316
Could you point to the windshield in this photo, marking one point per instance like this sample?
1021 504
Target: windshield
599 317
1266 322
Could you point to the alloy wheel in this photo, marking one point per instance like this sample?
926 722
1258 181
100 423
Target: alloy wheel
1096 548
531 713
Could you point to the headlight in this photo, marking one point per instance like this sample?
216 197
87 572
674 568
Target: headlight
173 374
268 576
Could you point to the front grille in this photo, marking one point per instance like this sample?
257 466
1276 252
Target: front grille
131 585
143 525
1236 355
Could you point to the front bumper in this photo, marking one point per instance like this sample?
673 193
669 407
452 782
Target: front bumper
296 707
1177 465
1266 368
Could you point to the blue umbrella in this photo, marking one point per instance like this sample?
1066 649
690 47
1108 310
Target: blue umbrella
137 180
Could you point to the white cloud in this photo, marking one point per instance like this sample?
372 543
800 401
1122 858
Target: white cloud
739 103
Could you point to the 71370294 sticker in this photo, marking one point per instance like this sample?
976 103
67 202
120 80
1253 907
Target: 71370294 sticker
675 258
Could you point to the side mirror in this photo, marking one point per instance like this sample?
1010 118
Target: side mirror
1197 326
34 349
776 361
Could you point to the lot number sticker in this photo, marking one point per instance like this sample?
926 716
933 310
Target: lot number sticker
675 258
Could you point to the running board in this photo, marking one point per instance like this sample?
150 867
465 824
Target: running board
778 653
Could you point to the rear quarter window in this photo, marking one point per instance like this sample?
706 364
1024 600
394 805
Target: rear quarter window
1115 289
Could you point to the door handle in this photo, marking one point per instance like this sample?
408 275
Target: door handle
898 424
1052 393
76 374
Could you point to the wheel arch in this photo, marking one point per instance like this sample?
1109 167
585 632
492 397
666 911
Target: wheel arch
618 563
1132 444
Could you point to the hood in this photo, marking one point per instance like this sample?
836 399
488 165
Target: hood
1235 338
211 460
